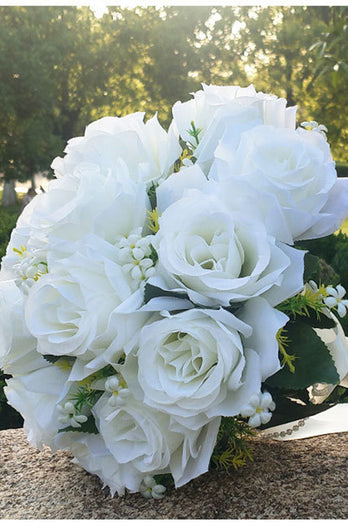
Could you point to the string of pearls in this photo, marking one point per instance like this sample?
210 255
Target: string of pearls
287 432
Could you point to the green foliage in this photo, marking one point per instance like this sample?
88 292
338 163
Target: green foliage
339 260
27 139
313 360
9 418
339 394
327 248
60 67
53 359
311 267
305 357
153 225
86 427
153 255
151 192
85 397
333 251
283 343
232 445
166 480
330 75
150 292
194 132
291 406
342 170
308 307
8 219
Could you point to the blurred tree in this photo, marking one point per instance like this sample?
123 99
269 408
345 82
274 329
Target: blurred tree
276 48
26 138
81 67
60 68
329 83
153 54
300 53
51 75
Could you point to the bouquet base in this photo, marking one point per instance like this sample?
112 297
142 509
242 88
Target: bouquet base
297 479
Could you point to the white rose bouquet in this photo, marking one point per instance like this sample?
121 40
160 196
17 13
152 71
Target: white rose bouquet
156 304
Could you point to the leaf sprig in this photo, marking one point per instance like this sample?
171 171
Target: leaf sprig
283 343
302 303
194 132
152 217
85 397
232 445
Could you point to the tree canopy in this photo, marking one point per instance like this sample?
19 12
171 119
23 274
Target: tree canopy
61 67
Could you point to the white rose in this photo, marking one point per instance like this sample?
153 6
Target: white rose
18 353
332 214
90 452
230 110
72 208
219 254
205 361
138 438
90 203
192 458
294 166
234 194
70 310
20 236
36 395
146 148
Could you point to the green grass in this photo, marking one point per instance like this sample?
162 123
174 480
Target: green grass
8 219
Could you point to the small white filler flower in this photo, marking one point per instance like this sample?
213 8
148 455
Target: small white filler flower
70 416
334 299
258 409
118 389
314 126
134 255
150 489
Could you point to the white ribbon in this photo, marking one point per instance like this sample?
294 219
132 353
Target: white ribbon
333 420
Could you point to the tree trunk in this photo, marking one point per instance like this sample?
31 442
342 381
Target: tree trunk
9 195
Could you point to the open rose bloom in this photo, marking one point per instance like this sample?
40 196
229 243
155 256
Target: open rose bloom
154 296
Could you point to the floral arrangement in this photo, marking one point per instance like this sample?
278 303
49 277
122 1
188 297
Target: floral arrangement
156 304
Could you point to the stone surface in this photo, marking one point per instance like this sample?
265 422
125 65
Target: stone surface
287 480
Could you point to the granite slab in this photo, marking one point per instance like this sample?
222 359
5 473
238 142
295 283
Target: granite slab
302 479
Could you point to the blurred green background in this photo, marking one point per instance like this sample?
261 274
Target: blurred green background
62 67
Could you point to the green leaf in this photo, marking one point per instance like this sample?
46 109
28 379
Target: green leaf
85 397
51 358
166 479
194 132
313 361
153 256
107 371
316 320
55 358
151 192
311 267
86 427
288 410
151 292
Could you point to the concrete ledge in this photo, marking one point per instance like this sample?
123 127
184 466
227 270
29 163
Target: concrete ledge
297 479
